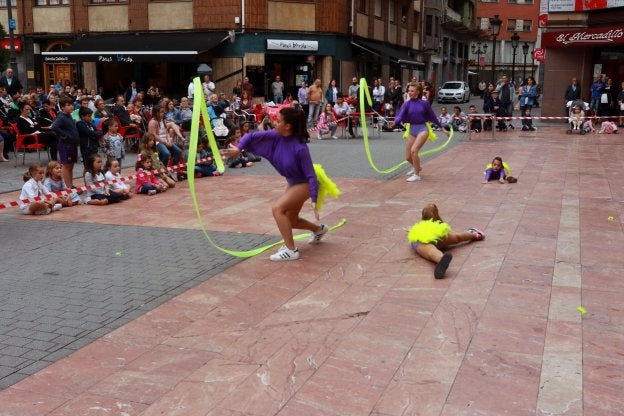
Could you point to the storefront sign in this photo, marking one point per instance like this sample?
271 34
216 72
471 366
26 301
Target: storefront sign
6 44
292 45
580 6
595 37
539 54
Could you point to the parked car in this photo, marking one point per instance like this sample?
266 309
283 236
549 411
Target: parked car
454 92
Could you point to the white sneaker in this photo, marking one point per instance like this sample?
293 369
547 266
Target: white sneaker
317 236
410 172
334 137
57 207
413 178
285 254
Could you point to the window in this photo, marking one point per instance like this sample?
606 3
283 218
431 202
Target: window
362 6
485 23
429 25
519 25
391 11
520 1
377 8
108 1
3 3
51 2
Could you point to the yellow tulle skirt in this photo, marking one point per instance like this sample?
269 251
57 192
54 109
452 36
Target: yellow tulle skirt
428 231
326 186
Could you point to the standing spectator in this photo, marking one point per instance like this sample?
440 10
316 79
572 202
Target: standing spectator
506 94
64 127
190 90
238 89
596 92
302 96
573 92
482 87
11 83
248 86
89 135
394 94
528 94
354 89
131 93
277 88
608 108
331 92
379 92
209 88
315 96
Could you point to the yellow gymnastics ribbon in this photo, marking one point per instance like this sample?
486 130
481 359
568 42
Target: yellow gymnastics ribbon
199 106
365 94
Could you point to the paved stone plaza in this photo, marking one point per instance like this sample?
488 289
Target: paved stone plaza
127 310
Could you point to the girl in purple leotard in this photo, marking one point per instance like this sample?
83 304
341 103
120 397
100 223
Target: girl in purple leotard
286 149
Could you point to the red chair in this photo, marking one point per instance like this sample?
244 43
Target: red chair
123 130
21 145
258 113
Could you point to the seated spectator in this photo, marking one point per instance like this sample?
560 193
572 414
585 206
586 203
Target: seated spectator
476 126
445 118
119 110
26 125
459 120
47 114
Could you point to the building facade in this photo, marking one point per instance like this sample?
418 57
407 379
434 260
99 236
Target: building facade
517 17
581 41
108 43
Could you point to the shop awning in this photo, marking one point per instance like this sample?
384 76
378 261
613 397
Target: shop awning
140 47
395 53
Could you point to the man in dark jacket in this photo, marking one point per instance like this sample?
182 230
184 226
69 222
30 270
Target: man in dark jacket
11 83
573 92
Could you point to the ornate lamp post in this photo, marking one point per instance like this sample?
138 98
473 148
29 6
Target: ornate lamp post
525 51
495 24
515 40
476 49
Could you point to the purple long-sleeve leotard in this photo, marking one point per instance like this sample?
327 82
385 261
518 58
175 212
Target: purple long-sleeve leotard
288 155
416 112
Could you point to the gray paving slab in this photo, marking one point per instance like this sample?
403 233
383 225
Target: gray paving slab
63 292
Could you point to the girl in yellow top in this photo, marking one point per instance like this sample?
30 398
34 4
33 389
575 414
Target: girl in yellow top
431 235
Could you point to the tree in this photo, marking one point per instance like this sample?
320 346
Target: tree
4 53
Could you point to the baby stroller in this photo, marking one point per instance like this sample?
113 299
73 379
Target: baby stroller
575 120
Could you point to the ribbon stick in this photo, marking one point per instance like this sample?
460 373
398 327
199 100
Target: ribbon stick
365 94
199 106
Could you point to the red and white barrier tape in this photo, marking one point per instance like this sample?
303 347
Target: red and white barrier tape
173 168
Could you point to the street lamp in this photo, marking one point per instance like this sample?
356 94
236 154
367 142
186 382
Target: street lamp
495 24
515 40
525 51
476 49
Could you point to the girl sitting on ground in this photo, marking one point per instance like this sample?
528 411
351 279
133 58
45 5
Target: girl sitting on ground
99 194
148 144
54 183
431 235
34 188
146 181
327 123
114 177
207 166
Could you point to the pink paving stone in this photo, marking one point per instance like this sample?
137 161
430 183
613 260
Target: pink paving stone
520 299
93 405
419 399
502 375
15 402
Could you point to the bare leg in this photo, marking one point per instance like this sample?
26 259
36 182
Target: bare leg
455 238
68 170
176 129
286 213
408 150
416 146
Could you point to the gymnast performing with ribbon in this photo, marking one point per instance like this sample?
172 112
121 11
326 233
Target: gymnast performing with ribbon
417 112
286 149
